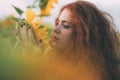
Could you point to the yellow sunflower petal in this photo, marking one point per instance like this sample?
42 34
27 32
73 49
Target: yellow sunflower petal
30 15
45 12
36 23
49 6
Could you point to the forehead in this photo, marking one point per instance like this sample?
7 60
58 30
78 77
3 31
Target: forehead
65 15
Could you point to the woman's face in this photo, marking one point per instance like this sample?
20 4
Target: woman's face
62 35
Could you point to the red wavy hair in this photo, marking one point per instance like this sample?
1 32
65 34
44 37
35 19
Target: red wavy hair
94 33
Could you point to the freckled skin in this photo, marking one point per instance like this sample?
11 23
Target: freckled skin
63 33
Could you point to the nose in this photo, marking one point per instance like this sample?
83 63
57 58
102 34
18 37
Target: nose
57 29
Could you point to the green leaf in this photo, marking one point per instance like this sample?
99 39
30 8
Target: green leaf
31 6
19 11
41 26
43 4
14 18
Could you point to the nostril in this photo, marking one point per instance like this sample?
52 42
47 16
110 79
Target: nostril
57 30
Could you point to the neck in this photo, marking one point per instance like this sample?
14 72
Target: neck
64 52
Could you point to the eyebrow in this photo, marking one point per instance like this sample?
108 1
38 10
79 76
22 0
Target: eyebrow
63 21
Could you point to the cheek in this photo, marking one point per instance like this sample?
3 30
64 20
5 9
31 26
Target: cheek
67 33
66 37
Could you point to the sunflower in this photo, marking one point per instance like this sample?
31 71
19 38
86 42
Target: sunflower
40 31
47 9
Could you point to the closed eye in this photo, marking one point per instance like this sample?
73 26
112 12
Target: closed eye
66 26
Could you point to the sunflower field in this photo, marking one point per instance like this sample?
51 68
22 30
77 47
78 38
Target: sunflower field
13 31
23 40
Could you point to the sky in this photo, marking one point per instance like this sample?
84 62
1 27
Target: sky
110 6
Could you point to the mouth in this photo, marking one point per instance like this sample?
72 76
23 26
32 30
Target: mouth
55 38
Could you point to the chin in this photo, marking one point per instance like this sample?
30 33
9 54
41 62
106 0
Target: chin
56 45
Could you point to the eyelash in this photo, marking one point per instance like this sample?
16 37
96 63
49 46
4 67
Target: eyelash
65 26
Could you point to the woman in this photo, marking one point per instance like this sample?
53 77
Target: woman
84 33
85 39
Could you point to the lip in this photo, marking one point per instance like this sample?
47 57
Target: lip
55 38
